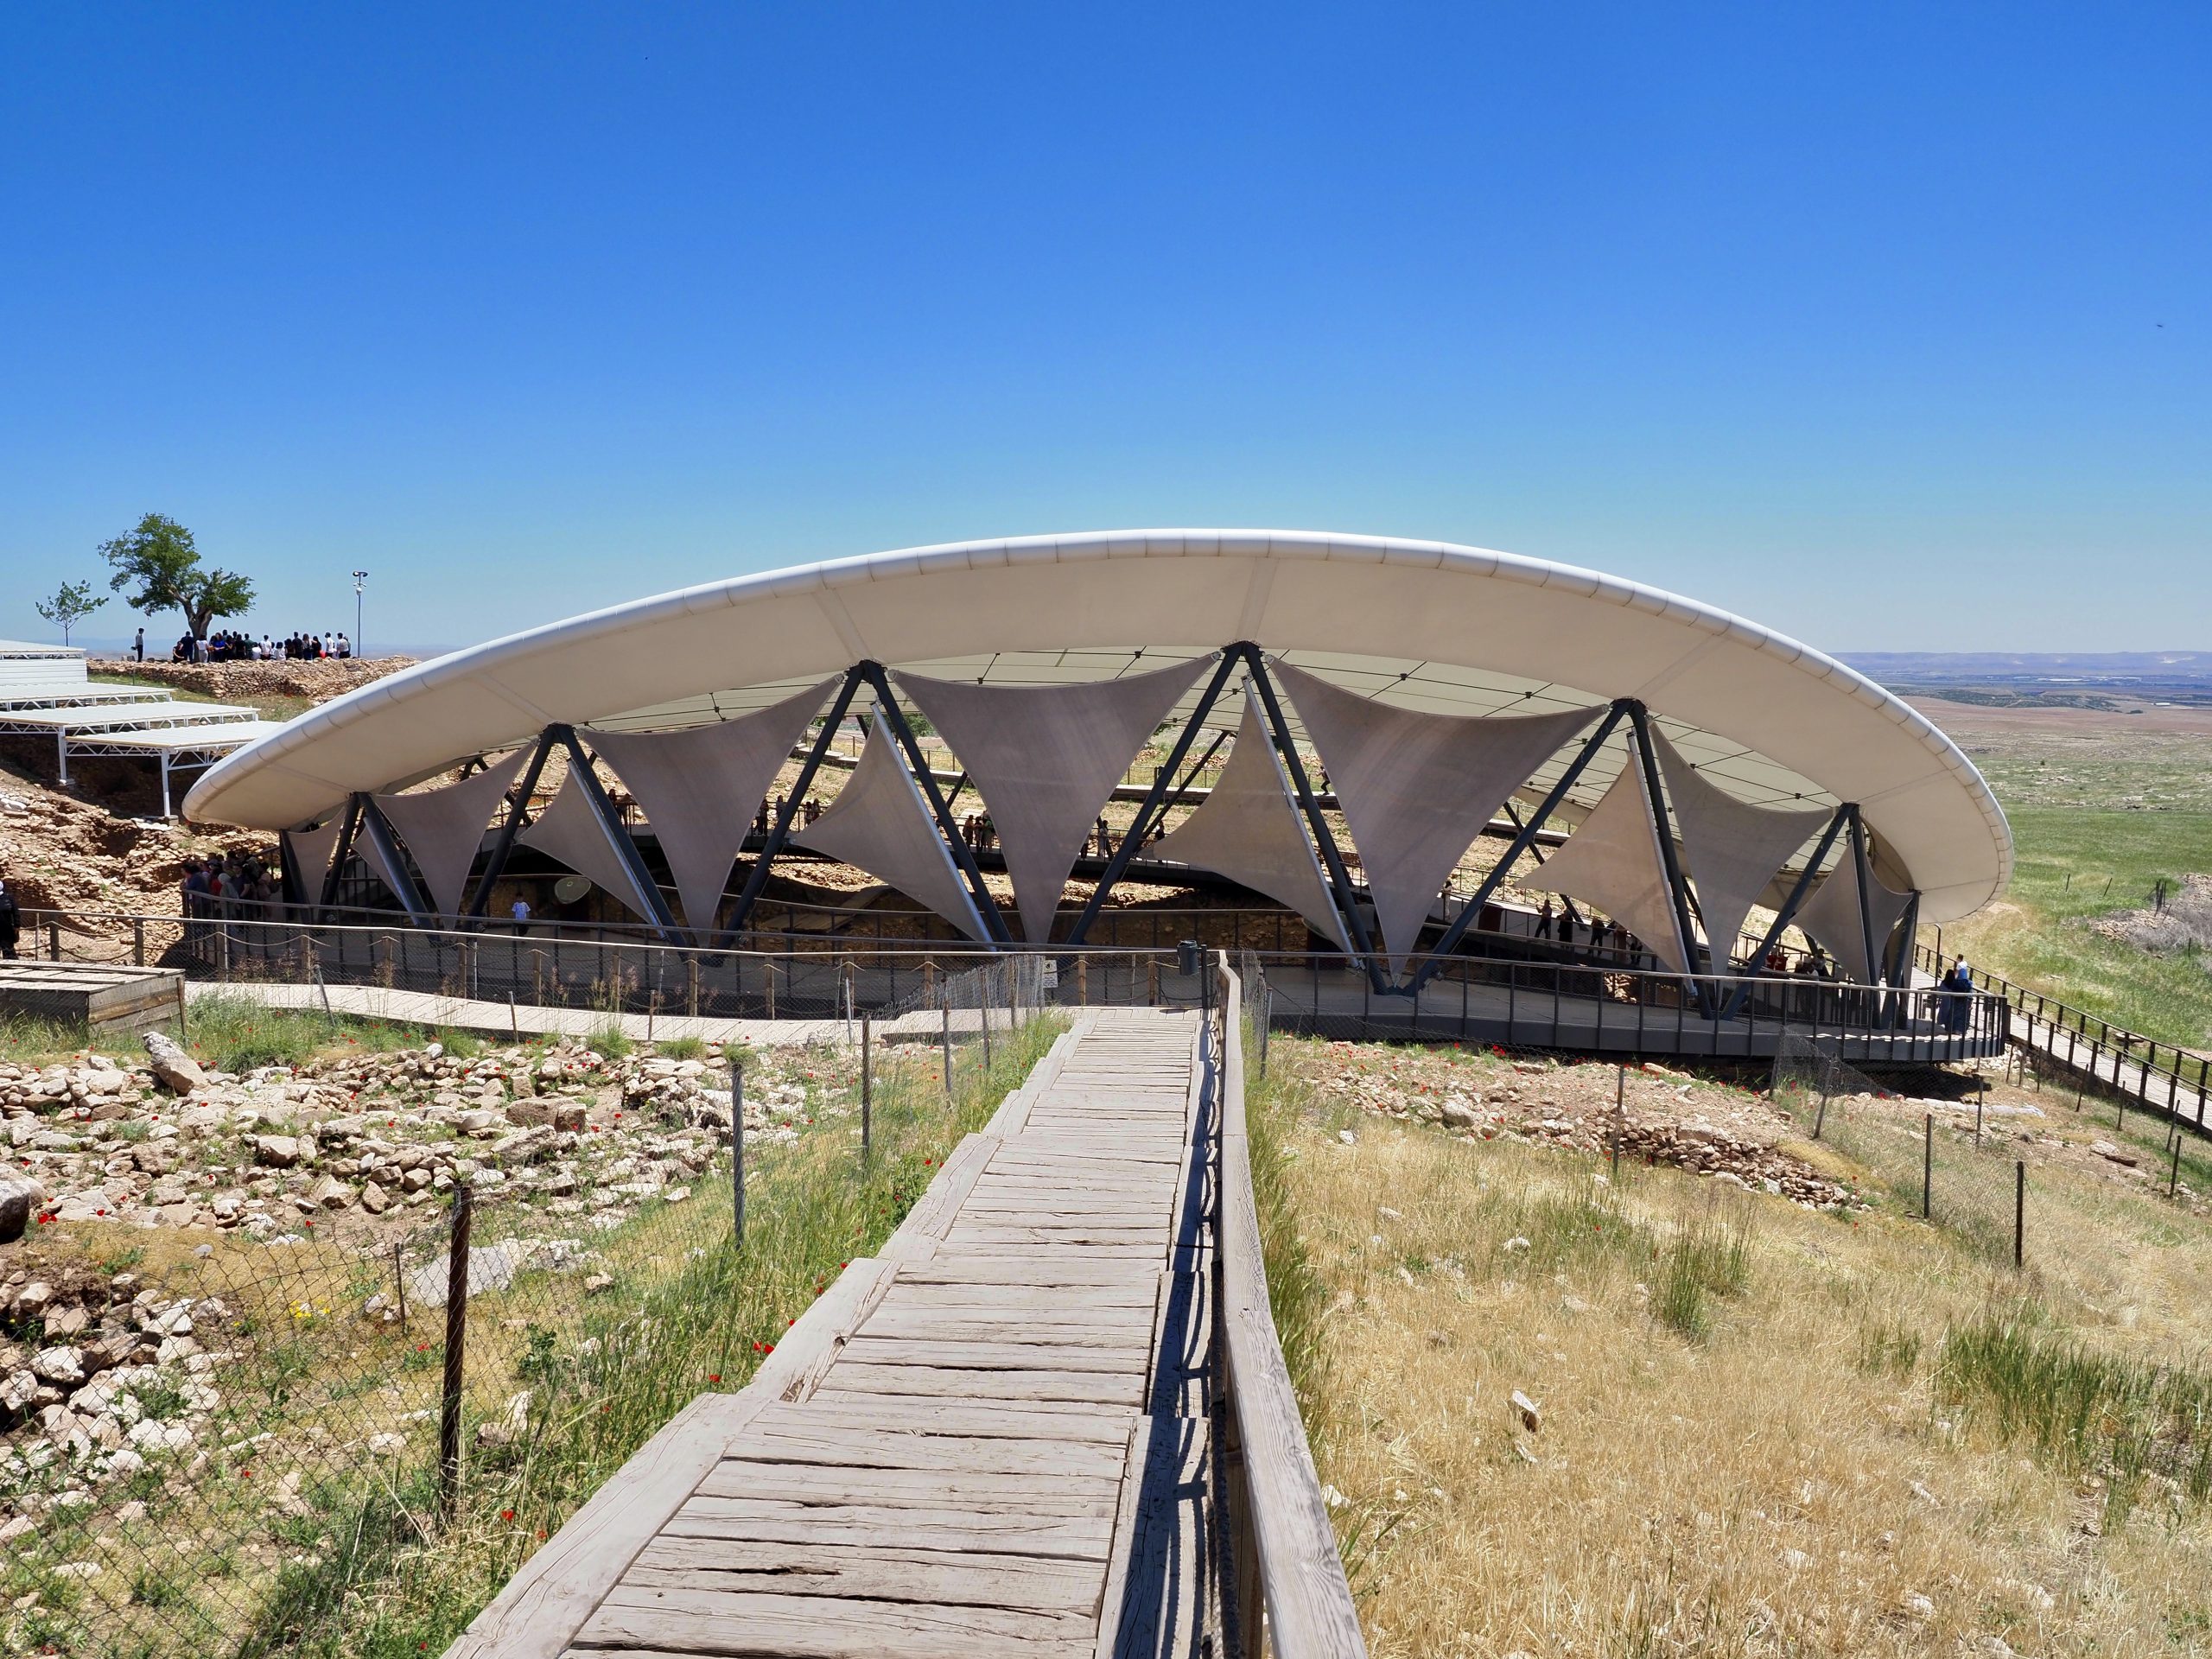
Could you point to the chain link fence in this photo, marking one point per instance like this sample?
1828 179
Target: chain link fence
1927 1155
342 1438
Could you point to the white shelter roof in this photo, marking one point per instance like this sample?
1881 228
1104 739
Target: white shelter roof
1420 625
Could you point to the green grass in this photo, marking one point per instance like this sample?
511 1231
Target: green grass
1296 1297
2120 1418
2075 865
682 1048
1709 1259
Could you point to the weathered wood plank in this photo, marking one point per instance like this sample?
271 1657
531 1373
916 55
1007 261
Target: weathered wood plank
1002 1528
831 1408
872 1573
1103 1387
542 1606
1170 1590
821 1627
817 1484
891 1449
1001 1350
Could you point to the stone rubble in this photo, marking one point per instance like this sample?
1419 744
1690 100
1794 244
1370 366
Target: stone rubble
365 1137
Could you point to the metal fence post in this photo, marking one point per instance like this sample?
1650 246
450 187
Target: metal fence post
867 1085
456 1338
2020 1213
138 941
1620 1111
947 1012
1928 1168
737 1146
2173 1178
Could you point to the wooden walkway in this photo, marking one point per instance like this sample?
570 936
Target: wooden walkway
2114 1068
991 1439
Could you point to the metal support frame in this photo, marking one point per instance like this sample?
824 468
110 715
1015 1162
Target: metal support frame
1520 843
779 831
288 869
372 824
1865 872
1521 829
610 824
1899 970
503 848
342 852
1647 760
1788 913
886 702
1340 877
1155 799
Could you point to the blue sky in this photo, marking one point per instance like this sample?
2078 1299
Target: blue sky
1848 318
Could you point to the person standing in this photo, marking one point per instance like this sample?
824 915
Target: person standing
138 647
11 921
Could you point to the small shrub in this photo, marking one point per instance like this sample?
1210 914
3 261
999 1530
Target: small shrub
610 1041
683 1048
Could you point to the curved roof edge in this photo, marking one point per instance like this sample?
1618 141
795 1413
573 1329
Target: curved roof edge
829 577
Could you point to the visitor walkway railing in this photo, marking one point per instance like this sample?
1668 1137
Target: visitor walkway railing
2162 1077
1283 1549
1516 1000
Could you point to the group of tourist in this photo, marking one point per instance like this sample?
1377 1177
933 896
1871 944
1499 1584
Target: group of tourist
225 645
230 878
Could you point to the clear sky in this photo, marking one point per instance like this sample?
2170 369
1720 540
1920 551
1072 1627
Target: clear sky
1886 326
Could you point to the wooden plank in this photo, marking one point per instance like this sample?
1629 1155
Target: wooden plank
822 1627
830 1407
872 1573
1124 1343
541 1607
1115 1590
1075 1232
1170 1601
817 1485
934 1210
1105 1388
999 1352
787 1441
1070 1308
1004 1528
949 1268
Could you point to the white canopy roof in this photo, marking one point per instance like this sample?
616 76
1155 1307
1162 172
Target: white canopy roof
1420 625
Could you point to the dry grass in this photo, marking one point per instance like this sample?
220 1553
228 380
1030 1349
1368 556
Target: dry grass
1779 1460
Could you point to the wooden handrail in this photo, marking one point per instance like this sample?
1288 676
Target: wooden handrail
1288 1541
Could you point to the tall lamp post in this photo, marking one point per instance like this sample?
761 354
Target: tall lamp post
361 581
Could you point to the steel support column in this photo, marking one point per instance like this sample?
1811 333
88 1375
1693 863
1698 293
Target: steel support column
1133 838
1520 843
1339 877
779 831
618 840
887 703
371 825
1788 913
342 852
503 848
1865 871
1670 858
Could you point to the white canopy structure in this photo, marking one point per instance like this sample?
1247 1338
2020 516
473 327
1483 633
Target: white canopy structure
1420 685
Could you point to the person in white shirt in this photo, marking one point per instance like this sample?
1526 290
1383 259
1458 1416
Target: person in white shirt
520 910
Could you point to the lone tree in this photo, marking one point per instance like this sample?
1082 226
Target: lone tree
160 557
69 606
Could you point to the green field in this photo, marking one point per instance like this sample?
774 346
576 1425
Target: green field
2099 815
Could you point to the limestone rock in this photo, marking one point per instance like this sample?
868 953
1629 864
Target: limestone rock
176 1070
